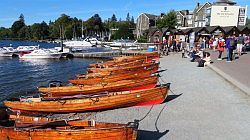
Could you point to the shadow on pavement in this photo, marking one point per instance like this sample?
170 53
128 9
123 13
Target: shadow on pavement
150 135
170 98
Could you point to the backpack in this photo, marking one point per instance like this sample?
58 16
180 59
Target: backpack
233 44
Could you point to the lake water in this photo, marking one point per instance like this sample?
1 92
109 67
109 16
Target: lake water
19 76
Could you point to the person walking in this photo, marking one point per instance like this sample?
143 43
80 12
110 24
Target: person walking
221 45
174 45
240 43
230 45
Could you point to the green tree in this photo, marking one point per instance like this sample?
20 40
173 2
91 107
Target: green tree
22 33
248 21
36 31
167 20
113 18
40 31
94 25
5 33
17 26
132 19
44 30
128 17
124 31
21 18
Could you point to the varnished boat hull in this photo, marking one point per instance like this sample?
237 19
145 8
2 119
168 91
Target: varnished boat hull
111 101
129 68
128 59
89 89
100 131
111 78
121 64
109 73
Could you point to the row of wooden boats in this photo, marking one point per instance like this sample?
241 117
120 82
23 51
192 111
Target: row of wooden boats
19 127
122 82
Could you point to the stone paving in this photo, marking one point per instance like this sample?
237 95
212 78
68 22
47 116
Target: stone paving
203 106
237 71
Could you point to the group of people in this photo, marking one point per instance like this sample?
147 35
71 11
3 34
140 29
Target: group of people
231 44
199 55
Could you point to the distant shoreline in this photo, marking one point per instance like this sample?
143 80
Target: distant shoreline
15 39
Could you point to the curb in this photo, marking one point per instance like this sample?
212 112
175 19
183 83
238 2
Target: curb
230 79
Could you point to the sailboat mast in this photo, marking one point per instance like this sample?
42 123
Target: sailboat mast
82 29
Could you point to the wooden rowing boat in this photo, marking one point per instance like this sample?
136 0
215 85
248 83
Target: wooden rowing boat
149 57
102 87
128 68
21 120
111 78
69 130
153 69
121 64
110 100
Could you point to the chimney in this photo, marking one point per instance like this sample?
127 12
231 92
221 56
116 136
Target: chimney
198 4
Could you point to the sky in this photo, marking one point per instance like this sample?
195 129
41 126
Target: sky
36 11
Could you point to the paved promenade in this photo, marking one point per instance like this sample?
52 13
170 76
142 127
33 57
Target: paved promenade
203 106
236 72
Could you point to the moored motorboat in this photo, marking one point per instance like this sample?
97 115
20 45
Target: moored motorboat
78 44
82 103
41 53
7 52
122 85
26 49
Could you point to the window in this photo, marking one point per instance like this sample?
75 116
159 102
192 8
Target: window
241 19
178 17
242 12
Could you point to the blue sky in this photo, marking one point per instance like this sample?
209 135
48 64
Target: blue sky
36 11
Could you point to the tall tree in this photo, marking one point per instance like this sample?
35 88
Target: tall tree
248 21
17 26
44 30
123 31
36 30
128 17
21 18
132 19
113 18
167 20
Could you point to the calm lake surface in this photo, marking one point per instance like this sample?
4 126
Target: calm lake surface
17 77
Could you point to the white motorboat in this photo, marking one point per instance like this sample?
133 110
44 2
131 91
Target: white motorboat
41 53
27 48
122 44
94 41
7 52
78 44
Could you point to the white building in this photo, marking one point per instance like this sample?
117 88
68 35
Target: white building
226 13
